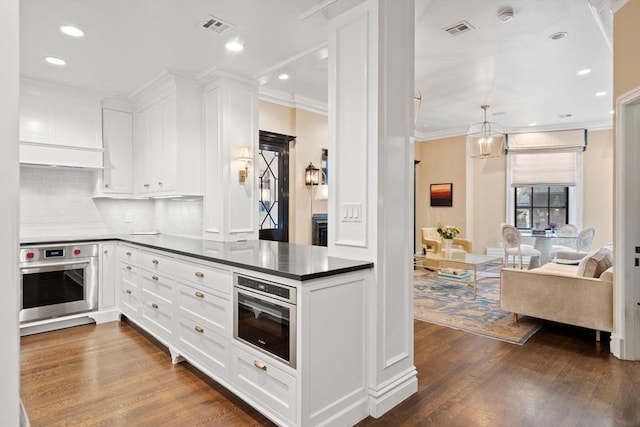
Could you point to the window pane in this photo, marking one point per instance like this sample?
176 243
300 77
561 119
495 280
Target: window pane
557 197
540 218
557 216
523 218
523 196
541 196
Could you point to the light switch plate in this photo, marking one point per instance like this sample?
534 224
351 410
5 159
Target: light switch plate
351 212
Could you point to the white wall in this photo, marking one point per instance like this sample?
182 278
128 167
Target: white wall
9 176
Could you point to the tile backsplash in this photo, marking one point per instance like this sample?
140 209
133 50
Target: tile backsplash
58 202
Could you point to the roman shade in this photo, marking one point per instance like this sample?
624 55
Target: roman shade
545 158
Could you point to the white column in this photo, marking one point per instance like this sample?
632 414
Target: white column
9 215
371 80
230 123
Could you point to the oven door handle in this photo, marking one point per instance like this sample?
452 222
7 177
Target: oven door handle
56 264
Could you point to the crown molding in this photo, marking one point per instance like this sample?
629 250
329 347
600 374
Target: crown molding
293 101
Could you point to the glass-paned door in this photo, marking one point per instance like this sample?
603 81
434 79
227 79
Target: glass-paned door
273 189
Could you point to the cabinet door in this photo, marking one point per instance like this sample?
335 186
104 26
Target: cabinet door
36 118
168 178
108 276
148 148
118 151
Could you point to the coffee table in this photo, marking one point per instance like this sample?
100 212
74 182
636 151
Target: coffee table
471 262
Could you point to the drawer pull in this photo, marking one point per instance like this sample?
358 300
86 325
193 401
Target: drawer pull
259 365
199 329
199 274
154 277
155 261
128 253
128 267
154 305
128 291
199 294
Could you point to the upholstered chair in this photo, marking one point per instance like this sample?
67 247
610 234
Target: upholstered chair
513 247
583 243
433 242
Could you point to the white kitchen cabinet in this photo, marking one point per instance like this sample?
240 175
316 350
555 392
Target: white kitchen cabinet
107 299
128 283
117 134
60 125
168 147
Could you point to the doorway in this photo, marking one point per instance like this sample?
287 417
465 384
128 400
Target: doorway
273 194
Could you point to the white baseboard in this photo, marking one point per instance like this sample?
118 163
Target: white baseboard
105 316
616 346
387 395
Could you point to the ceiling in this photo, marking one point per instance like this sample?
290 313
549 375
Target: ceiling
514 66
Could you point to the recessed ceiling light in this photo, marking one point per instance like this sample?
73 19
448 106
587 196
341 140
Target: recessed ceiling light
602 93
234 46
55 61
558 36
283 76
584 72
533 124
72 31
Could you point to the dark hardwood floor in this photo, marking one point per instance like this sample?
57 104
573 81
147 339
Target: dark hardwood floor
113 375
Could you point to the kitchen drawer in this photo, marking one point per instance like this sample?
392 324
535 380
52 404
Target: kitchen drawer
158 285
196 340
213 278
127 254
157 316
129 273
155 262
202 306
260 378
130 300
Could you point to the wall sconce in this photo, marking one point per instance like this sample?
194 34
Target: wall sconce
311 175
246 156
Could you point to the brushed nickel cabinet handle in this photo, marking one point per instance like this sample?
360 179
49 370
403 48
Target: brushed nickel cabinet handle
155 261
154 305
199 329
199 294
106 186
128 267
106 251
128 253
199 274
259 365
154 277
159 183
128 291
146 185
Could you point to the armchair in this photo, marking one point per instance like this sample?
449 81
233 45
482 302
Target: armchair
433 242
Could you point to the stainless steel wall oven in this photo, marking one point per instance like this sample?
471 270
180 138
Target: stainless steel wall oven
265 317
57 281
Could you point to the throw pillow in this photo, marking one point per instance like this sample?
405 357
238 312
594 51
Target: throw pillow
594 265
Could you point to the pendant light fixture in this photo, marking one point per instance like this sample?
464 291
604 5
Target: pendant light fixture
485 139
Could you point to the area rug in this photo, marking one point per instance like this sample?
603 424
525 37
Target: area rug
452 305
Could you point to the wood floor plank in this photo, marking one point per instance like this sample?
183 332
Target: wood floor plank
113 375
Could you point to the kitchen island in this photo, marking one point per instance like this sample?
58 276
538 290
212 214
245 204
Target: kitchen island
190 295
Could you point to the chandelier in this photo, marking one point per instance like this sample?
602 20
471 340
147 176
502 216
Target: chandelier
485 139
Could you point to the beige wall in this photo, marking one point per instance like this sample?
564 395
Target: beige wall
598 186
626 52
441 161
487 193
310 130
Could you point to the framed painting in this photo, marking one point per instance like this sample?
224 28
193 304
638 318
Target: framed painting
442 194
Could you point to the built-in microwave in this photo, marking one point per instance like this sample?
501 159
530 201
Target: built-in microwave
265 317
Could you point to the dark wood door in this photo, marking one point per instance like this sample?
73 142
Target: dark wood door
273 190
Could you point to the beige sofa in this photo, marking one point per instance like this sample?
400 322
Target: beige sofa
580 295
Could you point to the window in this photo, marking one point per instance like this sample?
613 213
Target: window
536 207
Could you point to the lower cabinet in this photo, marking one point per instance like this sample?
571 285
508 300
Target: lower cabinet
262 380
199 343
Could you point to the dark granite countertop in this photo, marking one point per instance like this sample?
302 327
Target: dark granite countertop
293 261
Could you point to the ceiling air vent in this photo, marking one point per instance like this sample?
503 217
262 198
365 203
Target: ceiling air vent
216 25
459 28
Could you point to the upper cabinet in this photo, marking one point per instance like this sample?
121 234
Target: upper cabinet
117 128
59 125
168 147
